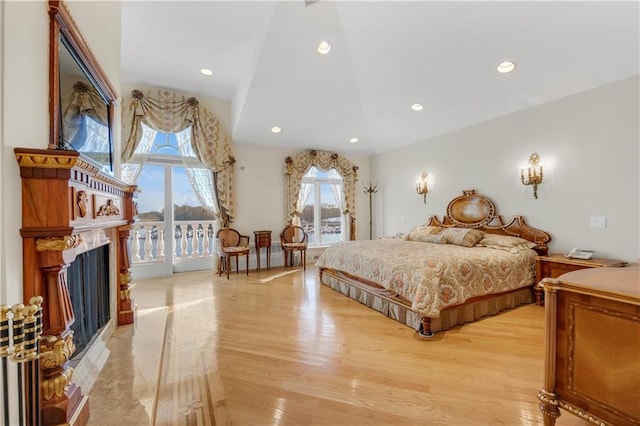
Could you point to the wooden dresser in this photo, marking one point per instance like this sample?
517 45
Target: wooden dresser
592 346
555 264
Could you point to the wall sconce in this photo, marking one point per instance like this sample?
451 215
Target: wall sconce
534 174
421 186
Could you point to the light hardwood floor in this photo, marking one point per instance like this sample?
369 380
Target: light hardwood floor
278 348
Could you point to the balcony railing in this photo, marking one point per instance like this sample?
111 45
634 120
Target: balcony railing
191 240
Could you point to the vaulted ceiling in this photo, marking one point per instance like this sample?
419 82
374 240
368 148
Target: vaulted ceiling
385 56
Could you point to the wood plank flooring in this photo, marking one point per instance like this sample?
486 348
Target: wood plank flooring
278 348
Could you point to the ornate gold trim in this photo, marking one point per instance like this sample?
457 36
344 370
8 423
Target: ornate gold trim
57 385
55 351
582 414
48 161
58 244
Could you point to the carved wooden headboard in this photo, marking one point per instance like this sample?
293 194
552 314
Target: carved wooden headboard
471 210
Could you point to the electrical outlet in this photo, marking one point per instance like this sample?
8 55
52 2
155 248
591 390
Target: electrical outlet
598 222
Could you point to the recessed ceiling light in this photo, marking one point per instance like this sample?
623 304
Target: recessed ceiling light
206 71
324 47
505 67
276 129
417 107
353 140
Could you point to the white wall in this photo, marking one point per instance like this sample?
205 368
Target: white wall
25 109
589 145
25 104
259 181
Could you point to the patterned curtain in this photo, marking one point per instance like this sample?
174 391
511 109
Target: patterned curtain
201 179
129 172
83 102
337 193
299 164
165 111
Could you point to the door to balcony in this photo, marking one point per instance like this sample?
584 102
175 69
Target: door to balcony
174 232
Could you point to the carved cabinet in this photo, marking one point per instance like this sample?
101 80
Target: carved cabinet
592 346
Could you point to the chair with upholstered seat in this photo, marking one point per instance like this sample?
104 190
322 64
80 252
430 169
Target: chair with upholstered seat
294 238
232 244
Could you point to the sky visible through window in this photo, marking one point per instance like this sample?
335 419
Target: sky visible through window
151 179
325 191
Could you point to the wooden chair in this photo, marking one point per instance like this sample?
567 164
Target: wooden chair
294 238
232 244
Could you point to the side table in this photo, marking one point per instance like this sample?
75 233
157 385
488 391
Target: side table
263 239
554 265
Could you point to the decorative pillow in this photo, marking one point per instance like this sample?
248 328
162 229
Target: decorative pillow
434 238
419 233
462 236
506 242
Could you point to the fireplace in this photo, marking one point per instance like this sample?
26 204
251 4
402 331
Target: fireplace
88 281
74 218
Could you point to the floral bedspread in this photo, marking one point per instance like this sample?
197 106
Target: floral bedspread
432 276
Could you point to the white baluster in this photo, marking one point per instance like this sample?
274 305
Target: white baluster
205 240
147 245
195 240
183 242
135 246
161 255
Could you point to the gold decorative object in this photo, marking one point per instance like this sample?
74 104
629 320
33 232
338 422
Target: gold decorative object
55 351
533 175
57 244
421 186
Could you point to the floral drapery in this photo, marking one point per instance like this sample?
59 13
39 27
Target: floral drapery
83 102
299 164
166 111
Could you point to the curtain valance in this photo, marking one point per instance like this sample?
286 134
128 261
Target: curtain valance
298 165
83 101
166 111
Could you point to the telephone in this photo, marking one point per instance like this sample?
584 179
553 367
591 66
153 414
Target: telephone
576 253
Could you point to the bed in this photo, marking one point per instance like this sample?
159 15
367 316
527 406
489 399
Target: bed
446 272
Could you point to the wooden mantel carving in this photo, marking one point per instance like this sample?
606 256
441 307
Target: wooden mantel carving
67 205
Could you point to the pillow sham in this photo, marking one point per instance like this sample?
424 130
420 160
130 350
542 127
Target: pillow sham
422 232
506 242
462 236
434 238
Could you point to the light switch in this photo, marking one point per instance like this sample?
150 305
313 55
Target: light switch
598 222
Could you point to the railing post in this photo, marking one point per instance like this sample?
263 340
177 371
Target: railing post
136 245
205 241
194 240
161 255
148 247
183 242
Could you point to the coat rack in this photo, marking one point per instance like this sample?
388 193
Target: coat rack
370 190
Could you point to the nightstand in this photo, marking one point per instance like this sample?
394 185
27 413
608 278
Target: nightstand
556 264
263 239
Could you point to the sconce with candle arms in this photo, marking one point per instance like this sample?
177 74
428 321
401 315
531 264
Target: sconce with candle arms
421 186
533 175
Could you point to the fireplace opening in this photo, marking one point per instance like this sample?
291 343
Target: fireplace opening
88 283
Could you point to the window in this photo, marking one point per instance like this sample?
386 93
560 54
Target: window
175 205
321 216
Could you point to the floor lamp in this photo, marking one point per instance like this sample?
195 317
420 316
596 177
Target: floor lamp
370 190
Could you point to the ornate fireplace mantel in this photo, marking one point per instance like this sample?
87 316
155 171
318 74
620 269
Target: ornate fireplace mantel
67 205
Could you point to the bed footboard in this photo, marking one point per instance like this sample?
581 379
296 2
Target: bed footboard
399 309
